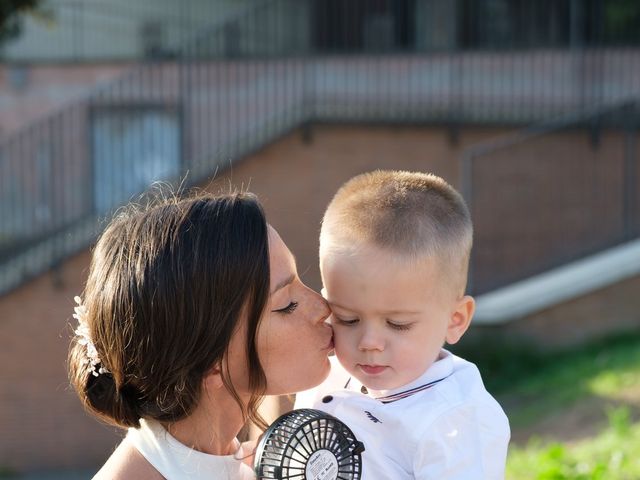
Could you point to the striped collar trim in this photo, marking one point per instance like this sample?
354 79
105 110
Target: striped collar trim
407 393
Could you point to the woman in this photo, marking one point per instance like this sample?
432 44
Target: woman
192 312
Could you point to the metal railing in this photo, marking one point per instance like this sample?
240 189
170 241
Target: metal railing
231 89
162 121
553 193
77 30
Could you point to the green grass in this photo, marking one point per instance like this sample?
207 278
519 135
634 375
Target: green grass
532 385
602 378
6 472
613 454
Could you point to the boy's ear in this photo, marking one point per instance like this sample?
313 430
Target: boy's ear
213 378
460 319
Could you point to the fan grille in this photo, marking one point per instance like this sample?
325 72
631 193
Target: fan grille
289 443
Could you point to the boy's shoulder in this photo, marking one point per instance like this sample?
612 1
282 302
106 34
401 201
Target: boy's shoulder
461 390
448 383
459 403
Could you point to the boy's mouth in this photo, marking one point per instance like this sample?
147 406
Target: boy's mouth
372 369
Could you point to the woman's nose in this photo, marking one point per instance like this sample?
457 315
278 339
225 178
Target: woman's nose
320 307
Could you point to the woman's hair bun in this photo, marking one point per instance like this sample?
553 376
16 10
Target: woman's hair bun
99 393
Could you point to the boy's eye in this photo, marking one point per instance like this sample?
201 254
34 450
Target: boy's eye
347 322
288 309
399 326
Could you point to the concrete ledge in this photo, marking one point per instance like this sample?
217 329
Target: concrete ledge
559 285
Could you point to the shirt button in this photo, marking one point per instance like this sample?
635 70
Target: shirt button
364 390
327 399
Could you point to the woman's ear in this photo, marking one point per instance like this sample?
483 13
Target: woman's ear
213 378
460 319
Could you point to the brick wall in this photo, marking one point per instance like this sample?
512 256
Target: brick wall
41 421
548 200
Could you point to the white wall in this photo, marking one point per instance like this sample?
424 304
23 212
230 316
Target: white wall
112 29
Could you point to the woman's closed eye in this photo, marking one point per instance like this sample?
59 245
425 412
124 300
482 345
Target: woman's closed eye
288 309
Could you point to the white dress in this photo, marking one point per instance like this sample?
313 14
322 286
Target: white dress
176 461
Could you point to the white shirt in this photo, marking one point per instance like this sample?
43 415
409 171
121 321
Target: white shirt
176 461
443 425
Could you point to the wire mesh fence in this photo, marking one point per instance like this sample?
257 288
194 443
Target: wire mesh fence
210 97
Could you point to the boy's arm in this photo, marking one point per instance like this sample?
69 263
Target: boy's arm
461 446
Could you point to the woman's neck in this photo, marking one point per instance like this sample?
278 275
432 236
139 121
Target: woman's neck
212 427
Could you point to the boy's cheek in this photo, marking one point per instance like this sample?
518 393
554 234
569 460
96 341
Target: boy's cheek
343 340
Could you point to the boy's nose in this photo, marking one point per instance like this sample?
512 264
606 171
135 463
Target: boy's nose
371 340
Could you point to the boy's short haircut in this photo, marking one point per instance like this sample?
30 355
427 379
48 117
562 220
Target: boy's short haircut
412 214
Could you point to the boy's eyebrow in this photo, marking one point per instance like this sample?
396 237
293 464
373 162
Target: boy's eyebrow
334 304
404 312
385 312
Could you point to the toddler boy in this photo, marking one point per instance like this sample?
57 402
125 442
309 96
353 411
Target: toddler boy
394 255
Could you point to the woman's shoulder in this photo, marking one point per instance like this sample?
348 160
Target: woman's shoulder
127 463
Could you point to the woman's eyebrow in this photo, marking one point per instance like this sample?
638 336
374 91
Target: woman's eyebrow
284 283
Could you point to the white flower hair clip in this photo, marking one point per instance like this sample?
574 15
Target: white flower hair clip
93 362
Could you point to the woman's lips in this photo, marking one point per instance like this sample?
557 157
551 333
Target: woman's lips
372 369
330 345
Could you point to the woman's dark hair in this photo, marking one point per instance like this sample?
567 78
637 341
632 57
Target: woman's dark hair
166 290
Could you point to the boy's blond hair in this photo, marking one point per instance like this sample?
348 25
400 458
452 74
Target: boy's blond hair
412 214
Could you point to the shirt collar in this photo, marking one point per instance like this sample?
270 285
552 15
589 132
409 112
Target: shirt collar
439 370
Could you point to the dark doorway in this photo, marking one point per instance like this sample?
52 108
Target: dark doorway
363 25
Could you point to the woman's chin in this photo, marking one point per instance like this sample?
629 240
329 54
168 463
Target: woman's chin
324 374
312 381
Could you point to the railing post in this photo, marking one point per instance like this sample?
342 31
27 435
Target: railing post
466 187
630 175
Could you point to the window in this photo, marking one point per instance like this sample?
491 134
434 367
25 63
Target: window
132 148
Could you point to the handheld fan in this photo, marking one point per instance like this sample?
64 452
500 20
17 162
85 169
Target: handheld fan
308 444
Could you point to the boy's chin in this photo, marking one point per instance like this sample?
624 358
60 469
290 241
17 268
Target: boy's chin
376 383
